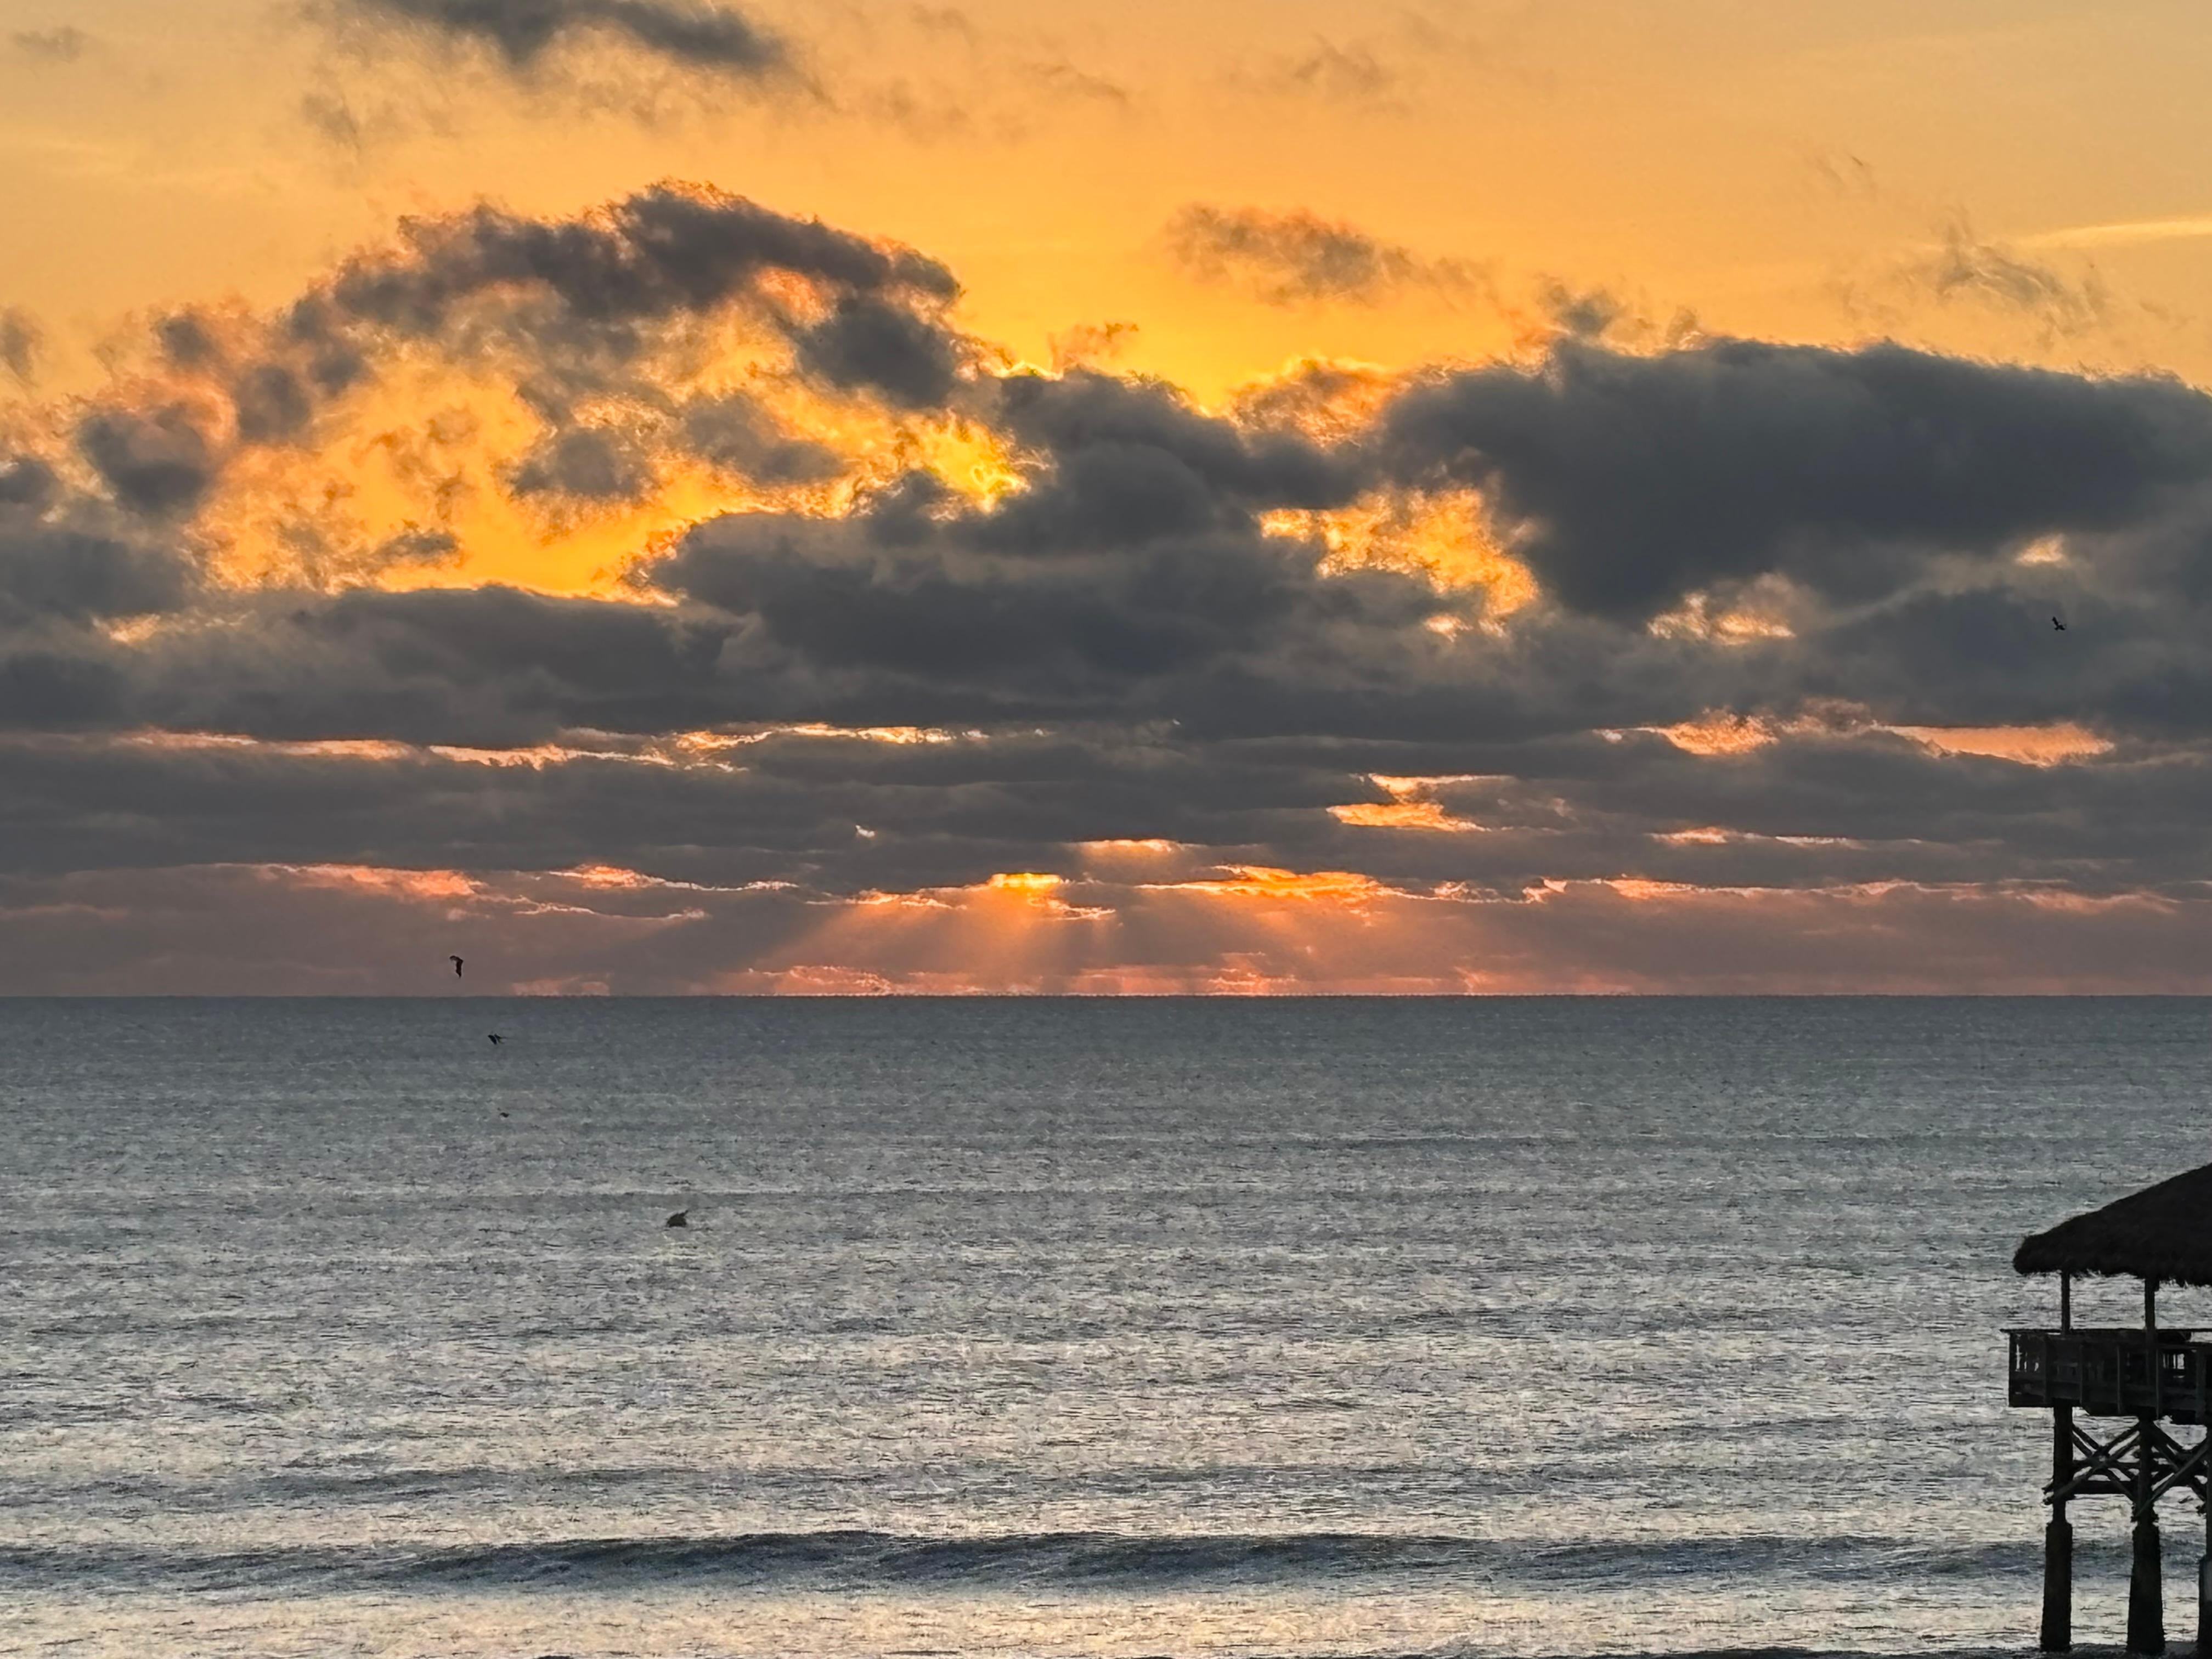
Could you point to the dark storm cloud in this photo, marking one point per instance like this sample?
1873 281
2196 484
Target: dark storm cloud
591 464
1298 257
866 344
1131 568
1631 481
785 809
665 251
1125 460
273 404
154 461
1955 814
223 804
57 688
61 572
1070 633
733 433
1131 556
784 618
579 306
25 481
716 38
944 814
480 665
70 567
1129 574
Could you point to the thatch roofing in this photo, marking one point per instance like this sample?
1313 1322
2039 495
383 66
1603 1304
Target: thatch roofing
2163 1232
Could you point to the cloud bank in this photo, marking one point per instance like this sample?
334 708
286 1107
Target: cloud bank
1724 666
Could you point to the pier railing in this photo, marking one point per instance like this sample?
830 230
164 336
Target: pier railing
2127 1371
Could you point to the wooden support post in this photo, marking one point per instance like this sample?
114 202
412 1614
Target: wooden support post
2204 1588
2146 1613
2057 1632
2146 1589
2059 1541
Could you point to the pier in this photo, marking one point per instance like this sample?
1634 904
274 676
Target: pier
2149 1380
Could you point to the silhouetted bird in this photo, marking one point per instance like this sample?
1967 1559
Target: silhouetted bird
456 961
506 1114
493 1037
678 1220
2057 624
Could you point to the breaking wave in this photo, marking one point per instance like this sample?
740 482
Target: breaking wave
858 1558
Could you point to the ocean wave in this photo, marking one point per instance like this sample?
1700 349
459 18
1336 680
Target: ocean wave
857 1559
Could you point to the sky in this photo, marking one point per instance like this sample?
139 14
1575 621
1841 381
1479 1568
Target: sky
661 496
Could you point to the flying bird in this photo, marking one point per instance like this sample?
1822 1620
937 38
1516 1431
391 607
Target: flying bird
2057 624
678 1220
506 1113
456 961
493 1037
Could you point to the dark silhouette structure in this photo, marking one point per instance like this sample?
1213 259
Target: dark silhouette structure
2147 1379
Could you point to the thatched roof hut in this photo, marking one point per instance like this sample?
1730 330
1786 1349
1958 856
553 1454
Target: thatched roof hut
2162 1235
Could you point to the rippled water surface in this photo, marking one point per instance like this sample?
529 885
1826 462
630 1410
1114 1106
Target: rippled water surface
1050 1327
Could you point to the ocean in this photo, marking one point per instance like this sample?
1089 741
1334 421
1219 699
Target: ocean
1327 1328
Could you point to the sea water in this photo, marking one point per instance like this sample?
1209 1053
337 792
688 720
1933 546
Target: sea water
1054 1328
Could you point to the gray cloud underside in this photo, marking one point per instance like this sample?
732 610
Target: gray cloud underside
1148 654
785 810
1639 479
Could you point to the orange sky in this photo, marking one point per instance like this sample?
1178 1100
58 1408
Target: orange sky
1779 171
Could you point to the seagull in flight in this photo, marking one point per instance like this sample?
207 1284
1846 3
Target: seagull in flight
677 1220
2057 624
494 1039
456 961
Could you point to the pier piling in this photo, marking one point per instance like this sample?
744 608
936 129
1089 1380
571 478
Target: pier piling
2146 1609
2204 1588
2057 1635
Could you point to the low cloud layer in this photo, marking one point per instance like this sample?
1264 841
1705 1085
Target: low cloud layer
1728 664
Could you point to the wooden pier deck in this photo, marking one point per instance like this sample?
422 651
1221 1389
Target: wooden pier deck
2124 1371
